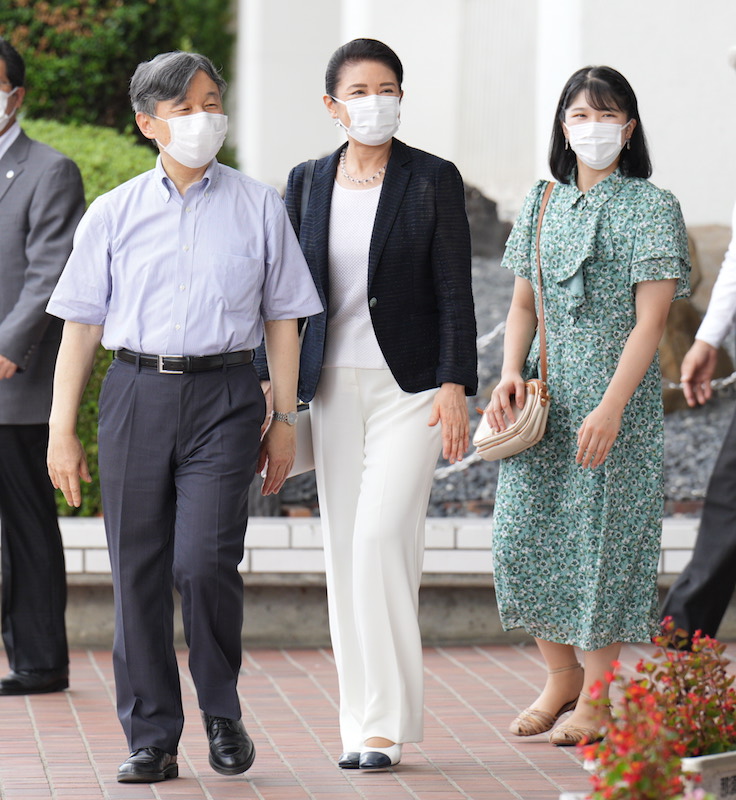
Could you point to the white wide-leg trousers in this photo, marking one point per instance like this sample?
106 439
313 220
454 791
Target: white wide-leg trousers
375 457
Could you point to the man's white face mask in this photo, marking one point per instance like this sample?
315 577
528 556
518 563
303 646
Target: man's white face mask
195 138
4 100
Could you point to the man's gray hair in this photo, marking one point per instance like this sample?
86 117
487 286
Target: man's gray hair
167 77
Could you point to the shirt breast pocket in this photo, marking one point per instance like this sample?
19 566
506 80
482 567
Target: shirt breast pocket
238 281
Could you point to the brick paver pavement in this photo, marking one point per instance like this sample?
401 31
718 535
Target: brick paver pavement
67 746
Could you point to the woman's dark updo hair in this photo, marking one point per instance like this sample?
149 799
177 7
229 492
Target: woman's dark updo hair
605 90
361 50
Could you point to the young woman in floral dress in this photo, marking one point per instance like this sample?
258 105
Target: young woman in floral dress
577 522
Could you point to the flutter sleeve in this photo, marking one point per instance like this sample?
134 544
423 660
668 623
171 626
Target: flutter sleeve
519 253
660 248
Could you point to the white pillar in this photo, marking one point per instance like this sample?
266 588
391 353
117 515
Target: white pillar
559 54
282 51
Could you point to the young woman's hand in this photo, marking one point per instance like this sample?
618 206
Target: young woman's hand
509 393
597 435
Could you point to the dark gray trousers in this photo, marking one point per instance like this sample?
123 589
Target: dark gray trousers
34 577
699 597
177 454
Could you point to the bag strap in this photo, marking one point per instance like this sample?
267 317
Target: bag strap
540 315
306 189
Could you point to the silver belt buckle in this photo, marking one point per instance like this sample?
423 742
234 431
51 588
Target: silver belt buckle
160 367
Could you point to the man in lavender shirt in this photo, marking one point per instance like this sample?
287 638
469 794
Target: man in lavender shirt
180 271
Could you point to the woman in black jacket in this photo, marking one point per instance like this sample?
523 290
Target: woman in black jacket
386 237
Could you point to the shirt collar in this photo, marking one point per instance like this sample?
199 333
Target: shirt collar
7 139
207 185
596 196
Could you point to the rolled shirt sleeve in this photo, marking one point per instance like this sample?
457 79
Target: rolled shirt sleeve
83 291
288 288
721 314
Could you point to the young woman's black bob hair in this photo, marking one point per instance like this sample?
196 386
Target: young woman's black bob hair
361 50
605 89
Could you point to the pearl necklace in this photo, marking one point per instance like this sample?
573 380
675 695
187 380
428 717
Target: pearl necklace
359 181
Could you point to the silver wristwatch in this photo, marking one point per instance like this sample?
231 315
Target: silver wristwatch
289 417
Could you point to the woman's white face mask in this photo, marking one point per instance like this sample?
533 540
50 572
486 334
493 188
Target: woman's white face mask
374 118
597 144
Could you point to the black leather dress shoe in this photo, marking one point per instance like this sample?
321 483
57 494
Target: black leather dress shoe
349 760
231 749
148 765
34 681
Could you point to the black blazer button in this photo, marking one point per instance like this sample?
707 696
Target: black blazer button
372 303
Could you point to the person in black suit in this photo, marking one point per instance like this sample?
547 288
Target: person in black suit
386 369
41 202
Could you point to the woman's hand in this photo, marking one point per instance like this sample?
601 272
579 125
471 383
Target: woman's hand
500 411
597 435
451 409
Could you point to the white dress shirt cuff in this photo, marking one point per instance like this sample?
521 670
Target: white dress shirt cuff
721 313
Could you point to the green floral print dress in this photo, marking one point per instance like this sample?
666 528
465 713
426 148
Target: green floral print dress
576 550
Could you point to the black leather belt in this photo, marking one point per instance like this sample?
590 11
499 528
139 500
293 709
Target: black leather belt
179 364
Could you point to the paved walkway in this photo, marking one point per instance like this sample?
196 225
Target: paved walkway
67 746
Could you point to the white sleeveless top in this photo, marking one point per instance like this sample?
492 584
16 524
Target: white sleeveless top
351 341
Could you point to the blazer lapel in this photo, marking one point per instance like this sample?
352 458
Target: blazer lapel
12 163
395 182
320 201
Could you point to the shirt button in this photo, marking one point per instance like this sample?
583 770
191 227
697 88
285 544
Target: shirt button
182 287
177 327
185 248
189 210
373 302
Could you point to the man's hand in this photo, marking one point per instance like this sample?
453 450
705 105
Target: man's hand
8 368
67 463
696 372
278 449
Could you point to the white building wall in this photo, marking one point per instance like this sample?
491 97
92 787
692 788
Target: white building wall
482 78
675 55
281 53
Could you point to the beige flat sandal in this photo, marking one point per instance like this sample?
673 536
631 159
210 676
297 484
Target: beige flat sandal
533 721
568 735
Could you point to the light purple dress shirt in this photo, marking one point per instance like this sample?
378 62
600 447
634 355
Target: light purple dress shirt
192 275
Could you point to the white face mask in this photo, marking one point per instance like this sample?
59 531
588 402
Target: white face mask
4 116
374 119
195 138
596 144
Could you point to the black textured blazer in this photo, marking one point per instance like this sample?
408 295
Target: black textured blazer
419 288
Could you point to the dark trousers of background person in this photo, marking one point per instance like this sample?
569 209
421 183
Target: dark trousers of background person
177 454
34 575
700 596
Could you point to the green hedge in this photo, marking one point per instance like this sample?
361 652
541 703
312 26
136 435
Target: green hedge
105 158
80 54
